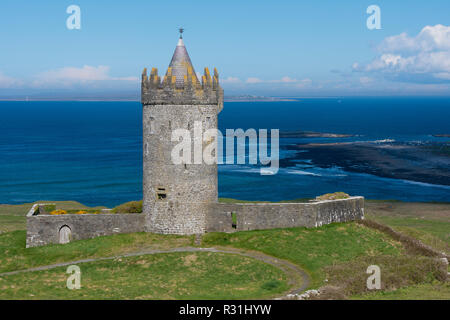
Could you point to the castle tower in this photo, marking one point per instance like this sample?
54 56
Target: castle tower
177 197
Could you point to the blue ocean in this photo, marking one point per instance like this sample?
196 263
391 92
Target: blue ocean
91 152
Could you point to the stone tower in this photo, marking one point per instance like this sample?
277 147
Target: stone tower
178 197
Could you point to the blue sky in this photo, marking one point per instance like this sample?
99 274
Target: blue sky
273 48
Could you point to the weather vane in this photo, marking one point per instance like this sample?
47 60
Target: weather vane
181 32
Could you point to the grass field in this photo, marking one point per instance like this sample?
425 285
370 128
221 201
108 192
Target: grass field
312 249
430 291
334 255
428 222
14 255
200 275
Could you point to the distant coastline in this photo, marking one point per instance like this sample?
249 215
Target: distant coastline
249 98
243 98
441 135
312 134
136 98
69 99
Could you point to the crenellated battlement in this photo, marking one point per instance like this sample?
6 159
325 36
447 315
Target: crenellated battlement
170 90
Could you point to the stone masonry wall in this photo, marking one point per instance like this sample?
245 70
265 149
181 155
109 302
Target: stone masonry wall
175 217
45 229
253 216
176 195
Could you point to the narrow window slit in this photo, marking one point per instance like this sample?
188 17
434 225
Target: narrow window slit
233 220
152 125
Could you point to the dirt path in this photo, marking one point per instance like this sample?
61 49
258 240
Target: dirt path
298 279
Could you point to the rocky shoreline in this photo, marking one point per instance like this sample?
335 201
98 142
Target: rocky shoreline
441 135
426 163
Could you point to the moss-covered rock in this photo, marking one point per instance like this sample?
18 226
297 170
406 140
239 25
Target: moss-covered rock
129 207
333 196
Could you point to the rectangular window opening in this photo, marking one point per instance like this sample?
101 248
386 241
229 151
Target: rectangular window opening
161 193
161 196
233 220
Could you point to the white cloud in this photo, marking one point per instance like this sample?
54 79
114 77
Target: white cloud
424 58
430 38
68 76
253 80
365 80
303 83
286 80
230 80
443 75
8 82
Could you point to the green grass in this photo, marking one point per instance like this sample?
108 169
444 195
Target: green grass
433 233
129 207
428 222
199 275
10 223
396 272
13 217
339 253
312 249
328 252
428 291
14 255
22 209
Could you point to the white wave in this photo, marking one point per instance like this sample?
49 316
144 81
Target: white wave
324 172
303 173
268 171
302 161
238 168
384 141
425 184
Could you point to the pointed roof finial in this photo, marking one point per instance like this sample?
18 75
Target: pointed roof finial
181 64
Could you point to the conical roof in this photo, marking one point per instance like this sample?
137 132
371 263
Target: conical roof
181 65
